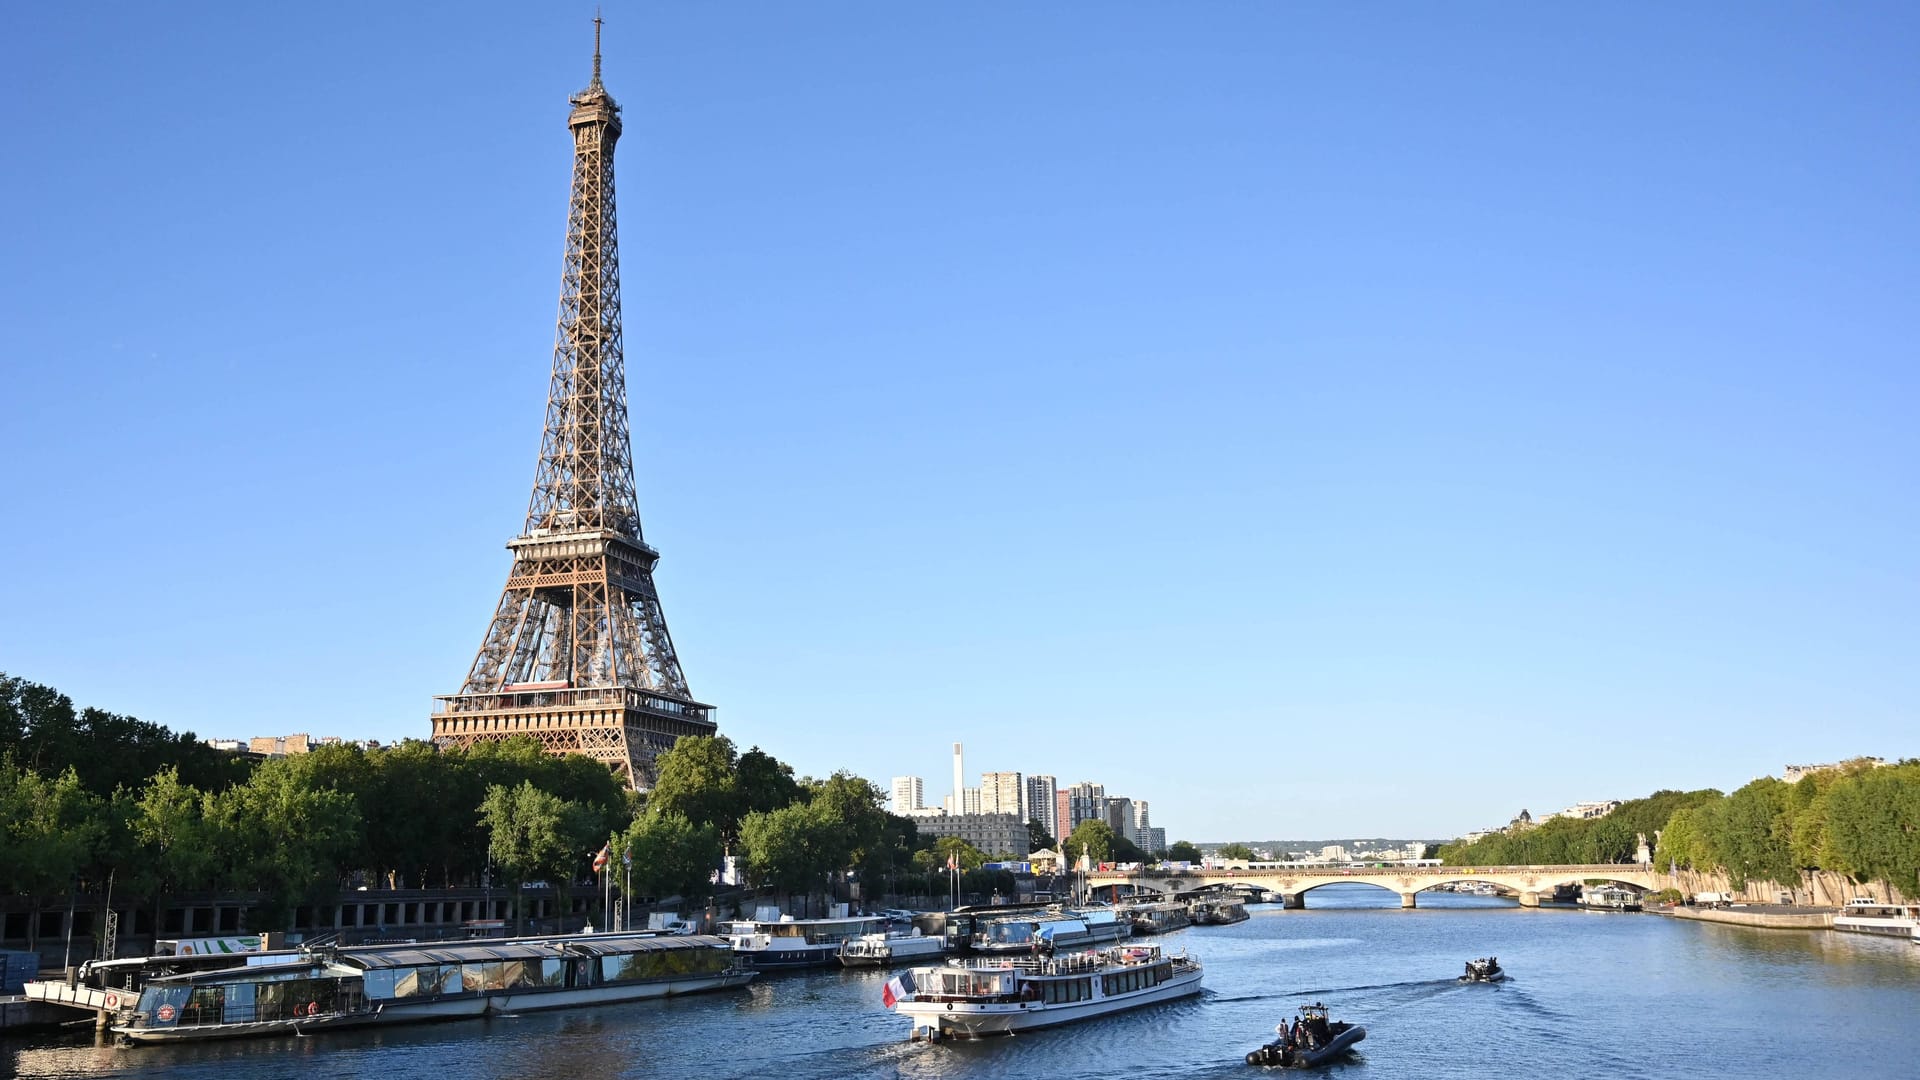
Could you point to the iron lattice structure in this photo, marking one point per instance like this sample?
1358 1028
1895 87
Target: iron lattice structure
578 655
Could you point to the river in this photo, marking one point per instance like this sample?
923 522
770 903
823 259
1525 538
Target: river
1593 995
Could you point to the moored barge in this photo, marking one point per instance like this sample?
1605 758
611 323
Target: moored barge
387 984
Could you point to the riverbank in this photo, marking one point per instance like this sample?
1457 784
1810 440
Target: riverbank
1762 916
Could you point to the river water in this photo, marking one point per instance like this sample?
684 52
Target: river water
1593 994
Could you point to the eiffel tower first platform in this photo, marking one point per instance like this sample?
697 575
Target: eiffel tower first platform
578 656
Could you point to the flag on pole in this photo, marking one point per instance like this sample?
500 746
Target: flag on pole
898 988
626 857
953 860
600 861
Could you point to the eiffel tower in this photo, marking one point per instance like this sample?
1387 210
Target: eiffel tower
577 655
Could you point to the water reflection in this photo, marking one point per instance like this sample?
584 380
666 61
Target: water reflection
1636 995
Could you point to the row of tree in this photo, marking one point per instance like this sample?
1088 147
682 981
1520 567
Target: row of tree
87 795
1861 819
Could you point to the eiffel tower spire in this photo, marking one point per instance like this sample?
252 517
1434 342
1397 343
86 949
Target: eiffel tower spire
578 655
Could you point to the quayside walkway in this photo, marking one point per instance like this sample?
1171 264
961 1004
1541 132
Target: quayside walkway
1526 882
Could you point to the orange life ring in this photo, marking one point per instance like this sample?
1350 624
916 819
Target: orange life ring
313 1008
113 1001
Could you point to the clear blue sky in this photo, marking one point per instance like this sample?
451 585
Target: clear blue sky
1312 420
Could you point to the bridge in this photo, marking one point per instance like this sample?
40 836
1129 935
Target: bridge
1527 882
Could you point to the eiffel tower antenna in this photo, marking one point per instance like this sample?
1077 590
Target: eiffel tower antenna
596 46
577 655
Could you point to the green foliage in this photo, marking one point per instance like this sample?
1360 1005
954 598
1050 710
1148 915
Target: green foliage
671 855
1038 838
764 783
697 781
48 827
1234 851
1861 819
1183 851
1094 839
933 859
1610 839
44 733
891 853
535 834
786 848
1873 825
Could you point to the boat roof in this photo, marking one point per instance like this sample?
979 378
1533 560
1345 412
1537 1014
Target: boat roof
811 922
481 952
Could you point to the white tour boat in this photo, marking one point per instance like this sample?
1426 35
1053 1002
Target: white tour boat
1865 915
998 997
1610 898
787 942
1057 927
892 947
1219 911
387 984
1159 917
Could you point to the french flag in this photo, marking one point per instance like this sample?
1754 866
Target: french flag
897 988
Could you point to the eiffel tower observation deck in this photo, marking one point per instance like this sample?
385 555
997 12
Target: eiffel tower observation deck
577 655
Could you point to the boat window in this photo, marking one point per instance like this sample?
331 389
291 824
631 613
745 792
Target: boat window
239 1004
482 976
422 981
205 1005
553 972
154 997
379 983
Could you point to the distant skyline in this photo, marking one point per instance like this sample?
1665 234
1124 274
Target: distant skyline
1318 421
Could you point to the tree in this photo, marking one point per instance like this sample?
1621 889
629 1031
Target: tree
48 829
785 848
1240 852
284 837
671 855
1183 851
891 853
171 822
1094 839
534 834
1038 839
933 859
696 780
765 784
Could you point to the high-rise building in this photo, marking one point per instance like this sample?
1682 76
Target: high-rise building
1040 793
959 778
1141 822
1118 814
1084 801
909 794
967 803
1003 793
1153 841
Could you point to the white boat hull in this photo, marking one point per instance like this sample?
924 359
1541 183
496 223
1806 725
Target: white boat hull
1903 928
904 950
449 1008
962 1020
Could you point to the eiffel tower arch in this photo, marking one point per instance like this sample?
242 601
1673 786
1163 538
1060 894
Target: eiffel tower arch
577 655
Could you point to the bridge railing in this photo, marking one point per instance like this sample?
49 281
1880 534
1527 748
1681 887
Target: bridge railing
1591 869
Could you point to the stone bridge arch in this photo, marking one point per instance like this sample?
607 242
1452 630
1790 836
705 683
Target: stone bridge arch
1529 883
